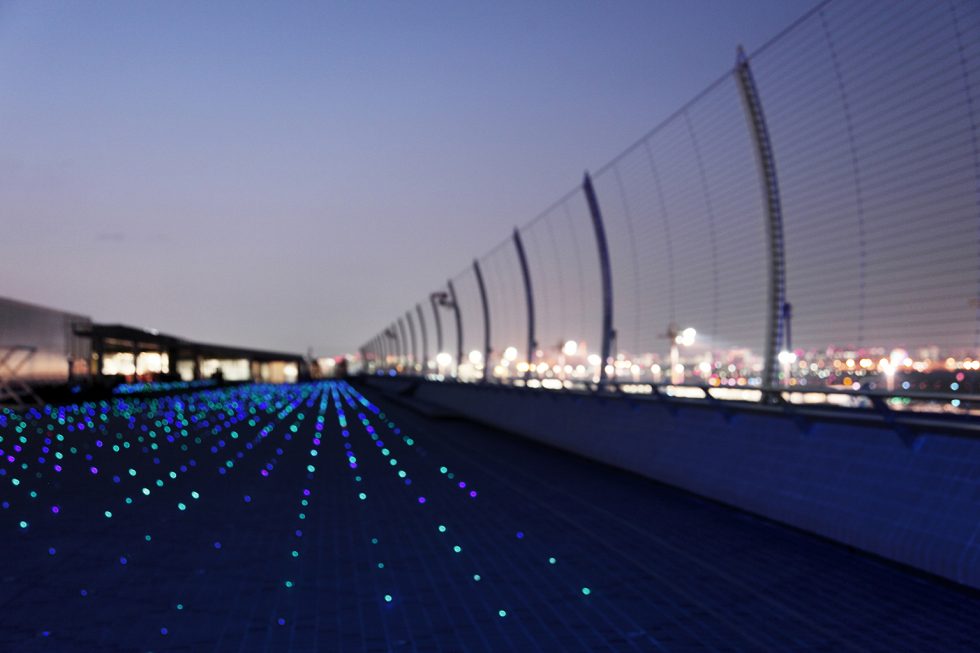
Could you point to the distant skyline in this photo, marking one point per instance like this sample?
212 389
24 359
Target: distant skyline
288 176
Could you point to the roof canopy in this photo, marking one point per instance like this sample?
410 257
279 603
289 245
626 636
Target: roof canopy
125 338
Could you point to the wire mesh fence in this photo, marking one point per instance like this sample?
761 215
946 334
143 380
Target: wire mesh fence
470 306
564 271
810 220
508 342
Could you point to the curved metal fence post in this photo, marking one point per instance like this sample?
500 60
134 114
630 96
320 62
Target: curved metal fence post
486 319
405 342
399 345
392 333
776 289
434 299
459 326
382 350
425 339
532 345
606 271
411 335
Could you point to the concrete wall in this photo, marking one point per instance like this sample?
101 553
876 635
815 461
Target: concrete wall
915 501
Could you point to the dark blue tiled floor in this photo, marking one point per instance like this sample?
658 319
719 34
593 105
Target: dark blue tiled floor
351 548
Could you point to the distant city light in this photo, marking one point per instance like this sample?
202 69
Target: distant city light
686 337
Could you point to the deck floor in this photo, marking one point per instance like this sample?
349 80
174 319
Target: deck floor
338 524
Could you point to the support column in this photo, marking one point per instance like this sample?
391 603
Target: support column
776 287
99 348
605 271
392 333
486 319
532 344
425 339
459 325
434 298
404 340
411 335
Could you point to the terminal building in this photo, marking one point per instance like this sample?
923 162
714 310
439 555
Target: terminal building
45 347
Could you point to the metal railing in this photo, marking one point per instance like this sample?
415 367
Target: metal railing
808 222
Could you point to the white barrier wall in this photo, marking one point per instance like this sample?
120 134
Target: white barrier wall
913 500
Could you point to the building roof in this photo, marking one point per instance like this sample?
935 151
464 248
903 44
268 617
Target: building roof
125 338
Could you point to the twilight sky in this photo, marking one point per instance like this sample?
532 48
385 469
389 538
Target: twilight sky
287 175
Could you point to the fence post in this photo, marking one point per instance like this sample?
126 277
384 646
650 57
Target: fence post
776 289
405 343
486 319
382 351
459 325
425 339
411 335
397 348
605 270
434 299
532 344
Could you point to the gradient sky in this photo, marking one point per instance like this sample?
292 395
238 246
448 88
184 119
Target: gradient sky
293 175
